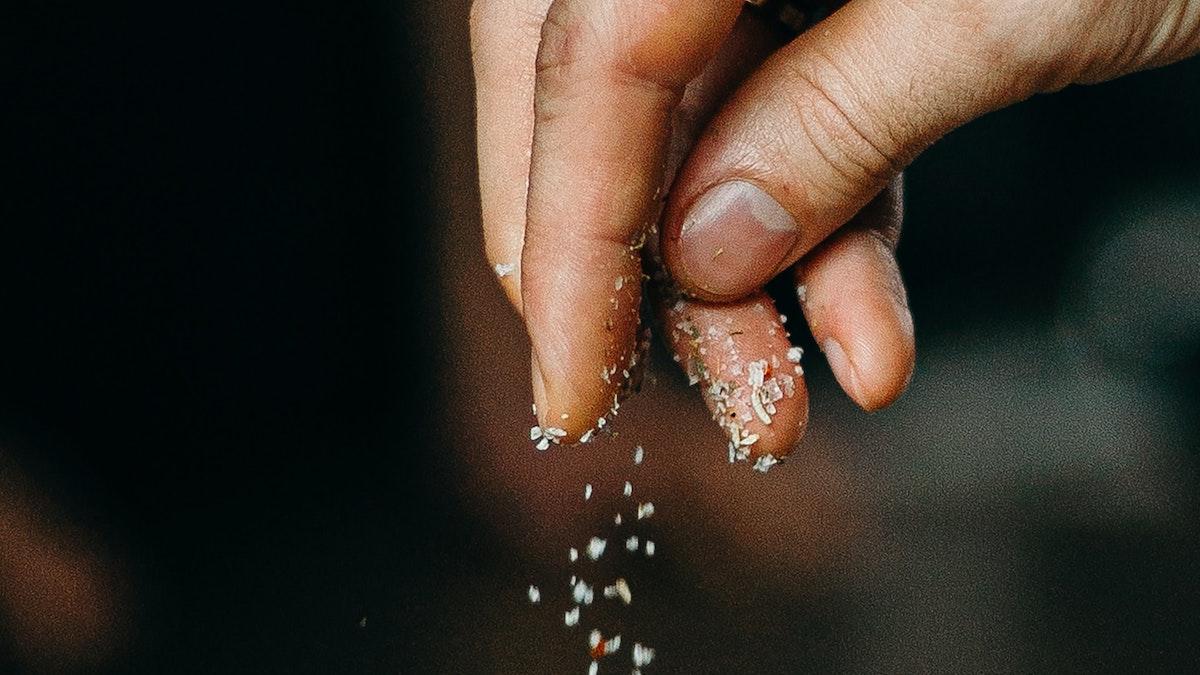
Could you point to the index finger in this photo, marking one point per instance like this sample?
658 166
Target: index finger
609 76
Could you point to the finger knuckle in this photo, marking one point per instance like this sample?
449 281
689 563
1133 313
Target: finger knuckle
561 50
842 136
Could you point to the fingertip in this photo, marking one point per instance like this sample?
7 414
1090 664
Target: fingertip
748 372
873 375
856 306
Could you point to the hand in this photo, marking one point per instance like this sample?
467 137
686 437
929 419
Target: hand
583 105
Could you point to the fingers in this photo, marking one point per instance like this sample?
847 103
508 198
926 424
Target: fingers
854 301
608 77
504 42
750 375
819 130
716 343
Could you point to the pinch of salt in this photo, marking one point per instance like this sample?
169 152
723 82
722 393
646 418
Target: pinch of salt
595 547
504 269
535 596
571 617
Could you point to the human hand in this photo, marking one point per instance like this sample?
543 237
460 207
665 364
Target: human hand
584 105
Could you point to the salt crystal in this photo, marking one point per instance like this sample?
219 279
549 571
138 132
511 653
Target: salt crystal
631 544
595 547
642 656
795 354
535 596
587 492
764 463
638 455
645 510
571 617
649 549
628 488
504 269
573 555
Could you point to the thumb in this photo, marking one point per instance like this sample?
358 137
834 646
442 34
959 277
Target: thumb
823 126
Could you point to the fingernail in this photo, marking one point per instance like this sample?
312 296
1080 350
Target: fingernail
734 238
839 363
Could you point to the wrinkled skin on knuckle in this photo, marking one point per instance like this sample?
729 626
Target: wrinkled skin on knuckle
845 142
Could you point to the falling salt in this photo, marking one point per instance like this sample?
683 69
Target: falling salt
595 547
535 596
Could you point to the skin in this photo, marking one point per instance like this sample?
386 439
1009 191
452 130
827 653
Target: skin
603 123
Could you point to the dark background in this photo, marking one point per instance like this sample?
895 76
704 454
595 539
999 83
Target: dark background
221 331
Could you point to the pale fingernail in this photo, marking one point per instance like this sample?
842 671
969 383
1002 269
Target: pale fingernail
734 239
842 369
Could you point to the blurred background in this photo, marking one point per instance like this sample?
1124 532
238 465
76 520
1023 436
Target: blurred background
263 407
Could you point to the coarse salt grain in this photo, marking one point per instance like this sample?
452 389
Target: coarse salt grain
795 354
631 544
764 463
645 510
571 616
573 554
638 455
587 492
649 549
642 656
594 669
535 596
619 589
504 269
595 547
628 488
